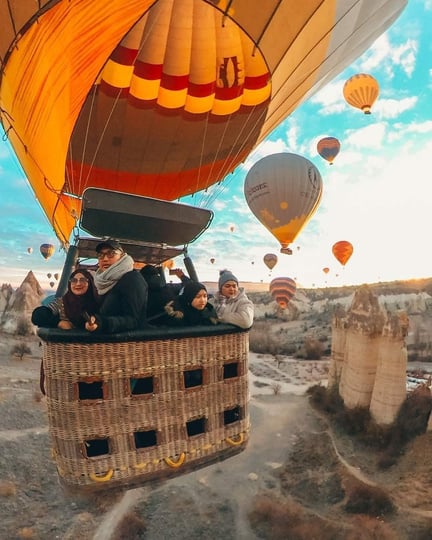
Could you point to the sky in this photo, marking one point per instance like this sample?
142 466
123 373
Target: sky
376 195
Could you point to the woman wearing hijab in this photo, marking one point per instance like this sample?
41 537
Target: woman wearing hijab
121 289
69 311
231 302
191 307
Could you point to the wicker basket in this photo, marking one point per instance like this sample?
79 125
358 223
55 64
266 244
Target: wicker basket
128 412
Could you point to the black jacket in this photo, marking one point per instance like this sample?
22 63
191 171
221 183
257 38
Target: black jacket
124 306
180 315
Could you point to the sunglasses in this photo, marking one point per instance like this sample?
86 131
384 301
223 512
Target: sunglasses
110 254
75 280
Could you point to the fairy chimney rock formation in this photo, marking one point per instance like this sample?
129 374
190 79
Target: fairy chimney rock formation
337 347
364 324
389 391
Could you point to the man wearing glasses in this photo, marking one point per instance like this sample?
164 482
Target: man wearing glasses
122 290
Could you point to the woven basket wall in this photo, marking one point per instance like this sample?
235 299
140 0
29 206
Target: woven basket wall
160 432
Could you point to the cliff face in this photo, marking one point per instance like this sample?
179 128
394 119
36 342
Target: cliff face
18 304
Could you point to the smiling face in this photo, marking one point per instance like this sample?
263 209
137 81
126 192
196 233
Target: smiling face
107 257
229 288
79 284
200 300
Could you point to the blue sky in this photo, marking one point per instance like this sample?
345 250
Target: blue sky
377 194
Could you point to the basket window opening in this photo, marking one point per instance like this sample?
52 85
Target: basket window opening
231 370
96 447
193 377
142 385
145 439
196 427
232 415
90 390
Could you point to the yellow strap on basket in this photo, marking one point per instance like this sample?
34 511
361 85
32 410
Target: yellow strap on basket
178 463
104 478
232 442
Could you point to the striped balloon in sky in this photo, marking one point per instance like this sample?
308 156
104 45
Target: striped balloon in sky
282 290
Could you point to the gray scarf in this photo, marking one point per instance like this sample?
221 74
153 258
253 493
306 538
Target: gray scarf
106 279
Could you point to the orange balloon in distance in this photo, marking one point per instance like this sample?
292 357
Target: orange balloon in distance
328 148
361 91
30 250
270 260
326 270
343 250
282 289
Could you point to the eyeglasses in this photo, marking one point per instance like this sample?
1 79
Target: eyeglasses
75 280
110 254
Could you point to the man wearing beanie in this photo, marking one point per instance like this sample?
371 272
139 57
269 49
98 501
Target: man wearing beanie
231 302
191 307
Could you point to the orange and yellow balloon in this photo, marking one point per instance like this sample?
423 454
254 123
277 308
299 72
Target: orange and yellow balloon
343 250
47 250
361 91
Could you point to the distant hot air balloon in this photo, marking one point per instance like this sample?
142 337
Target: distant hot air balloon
270 260
282 290
29 250
326 270
56 276
52 284
361 91
212 260
343 250
283 191
232 228
49 275
328 148
47 250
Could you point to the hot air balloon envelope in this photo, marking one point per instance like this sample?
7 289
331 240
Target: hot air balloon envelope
282 290
283 191
361 91
47 250
343 250
270 260
328 148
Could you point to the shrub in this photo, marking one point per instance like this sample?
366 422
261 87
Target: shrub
365 499
23 327
276 387
313 349
20 349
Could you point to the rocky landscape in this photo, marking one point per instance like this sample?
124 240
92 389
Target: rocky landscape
301 476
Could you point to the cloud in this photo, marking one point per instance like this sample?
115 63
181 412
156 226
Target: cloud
384 56
370 136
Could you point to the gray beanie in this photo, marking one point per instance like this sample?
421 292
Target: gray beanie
224 276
